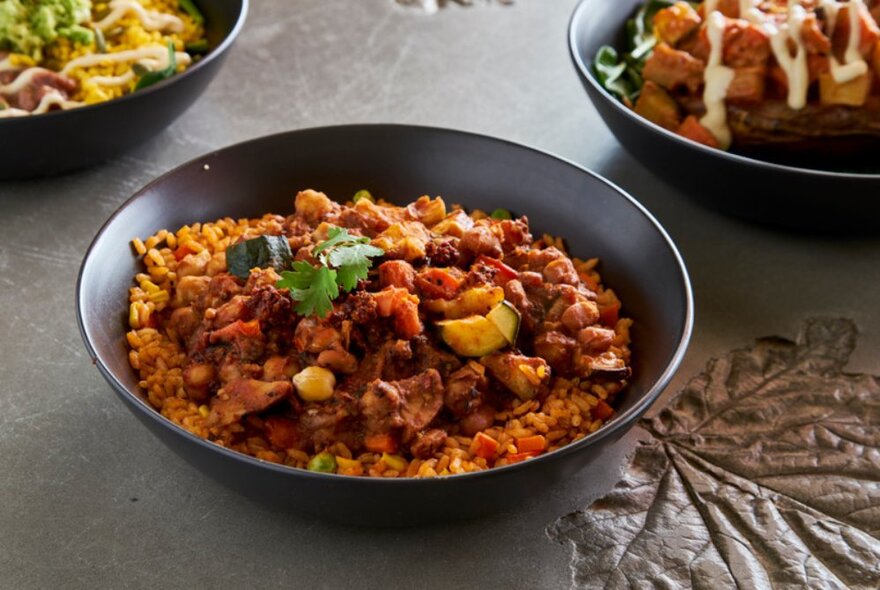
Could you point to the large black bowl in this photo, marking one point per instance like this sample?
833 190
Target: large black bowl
401 163
61 141
772 193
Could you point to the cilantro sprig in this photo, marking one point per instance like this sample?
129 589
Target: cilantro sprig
343 260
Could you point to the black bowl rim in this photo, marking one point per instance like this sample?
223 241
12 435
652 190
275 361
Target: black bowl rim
586 72
228 40
621 422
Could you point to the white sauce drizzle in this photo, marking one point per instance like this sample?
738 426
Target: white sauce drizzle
795 67
153 56
717 78
110 81
23 79
853 65
49 100
150 19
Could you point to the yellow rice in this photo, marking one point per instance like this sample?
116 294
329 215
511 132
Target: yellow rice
566 415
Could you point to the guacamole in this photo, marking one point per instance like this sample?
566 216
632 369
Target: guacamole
26 26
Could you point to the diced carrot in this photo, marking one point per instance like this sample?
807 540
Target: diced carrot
517 457
505 273
531 444
485 446
182 251
602 411
381 443
281 431
609 315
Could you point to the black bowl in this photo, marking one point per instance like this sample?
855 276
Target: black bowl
795 197
399 162
61 141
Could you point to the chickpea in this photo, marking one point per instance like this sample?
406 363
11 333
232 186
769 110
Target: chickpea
314 384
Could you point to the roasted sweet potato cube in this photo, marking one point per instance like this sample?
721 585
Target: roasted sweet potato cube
747 86
869 32
853 93
671 69
875 58
657 106
745 44
673 24
694 130
728 8
814 39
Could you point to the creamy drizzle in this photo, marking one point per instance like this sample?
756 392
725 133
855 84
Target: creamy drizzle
49 100
150 19
717 77
23 79
795 67
153 56
853 65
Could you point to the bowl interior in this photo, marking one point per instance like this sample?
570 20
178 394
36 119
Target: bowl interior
401 163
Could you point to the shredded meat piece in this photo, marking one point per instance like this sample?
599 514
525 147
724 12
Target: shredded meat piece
245 396
406 406
428 443
464 389
481 240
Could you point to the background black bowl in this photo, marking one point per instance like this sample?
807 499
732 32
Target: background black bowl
772 193
399 163
61 141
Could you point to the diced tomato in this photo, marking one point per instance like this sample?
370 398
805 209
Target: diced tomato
281 432
602 411
381 443
485 446
437 283
505 273
182 252
528 444
404 306
609 315
517 457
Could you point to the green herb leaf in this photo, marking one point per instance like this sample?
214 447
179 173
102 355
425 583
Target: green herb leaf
501 214
151 78
338 236
352 263
314 288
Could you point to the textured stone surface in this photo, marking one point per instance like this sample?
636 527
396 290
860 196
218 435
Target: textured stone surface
89 497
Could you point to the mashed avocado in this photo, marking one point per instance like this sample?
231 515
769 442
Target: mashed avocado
26 26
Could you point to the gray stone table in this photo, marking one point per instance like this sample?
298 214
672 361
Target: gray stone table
89 498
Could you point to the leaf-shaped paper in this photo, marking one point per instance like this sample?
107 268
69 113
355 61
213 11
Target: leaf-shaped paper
764 472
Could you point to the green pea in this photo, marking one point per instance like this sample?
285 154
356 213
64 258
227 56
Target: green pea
323 463
363 194
501 214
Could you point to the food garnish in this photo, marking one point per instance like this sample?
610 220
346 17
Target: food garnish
154 77
343 260
260 252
